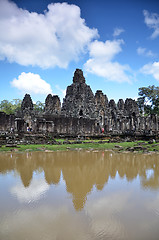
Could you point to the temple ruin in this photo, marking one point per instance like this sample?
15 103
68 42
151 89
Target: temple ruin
81 114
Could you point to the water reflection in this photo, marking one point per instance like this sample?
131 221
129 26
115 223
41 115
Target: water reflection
36 189
80 171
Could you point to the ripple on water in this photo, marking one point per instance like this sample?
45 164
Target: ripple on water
111 229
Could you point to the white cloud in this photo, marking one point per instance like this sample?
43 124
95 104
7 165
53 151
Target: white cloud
118 31
53 38
152 21
112 71
31 83
34 192
144 52
152 69
105 50
101 64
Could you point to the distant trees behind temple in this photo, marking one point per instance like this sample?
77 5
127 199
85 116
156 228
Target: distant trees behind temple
148 101
11 107
39 106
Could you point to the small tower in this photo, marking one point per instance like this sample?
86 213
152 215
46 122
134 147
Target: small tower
27 112
52 104
27 103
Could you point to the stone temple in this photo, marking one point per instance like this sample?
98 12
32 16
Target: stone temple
81 114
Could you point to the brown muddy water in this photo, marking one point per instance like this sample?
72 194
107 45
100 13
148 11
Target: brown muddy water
79 195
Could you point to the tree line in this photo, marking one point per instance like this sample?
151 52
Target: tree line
11 107
148 102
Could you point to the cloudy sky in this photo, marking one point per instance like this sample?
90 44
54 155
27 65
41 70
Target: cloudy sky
42 42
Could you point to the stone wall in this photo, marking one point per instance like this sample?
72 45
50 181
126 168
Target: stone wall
6 122
61 125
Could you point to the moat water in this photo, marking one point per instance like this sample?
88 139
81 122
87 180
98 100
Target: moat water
79 195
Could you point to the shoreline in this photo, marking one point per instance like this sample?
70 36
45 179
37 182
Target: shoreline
63 145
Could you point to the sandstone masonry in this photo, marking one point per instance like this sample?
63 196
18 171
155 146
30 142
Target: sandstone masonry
82 114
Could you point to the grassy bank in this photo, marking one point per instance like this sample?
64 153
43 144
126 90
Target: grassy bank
138 146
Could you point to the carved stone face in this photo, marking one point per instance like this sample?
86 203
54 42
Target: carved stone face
78 76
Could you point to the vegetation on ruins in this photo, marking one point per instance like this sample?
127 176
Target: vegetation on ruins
148 101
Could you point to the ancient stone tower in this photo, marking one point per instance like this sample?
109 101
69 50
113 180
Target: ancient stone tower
27 111
131 107
27 103
101 101
79 100
52 104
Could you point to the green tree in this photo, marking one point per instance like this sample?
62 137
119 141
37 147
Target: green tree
10 107
16 104
148 101
39 106
6 106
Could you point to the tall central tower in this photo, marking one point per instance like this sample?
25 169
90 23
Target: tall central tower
79 100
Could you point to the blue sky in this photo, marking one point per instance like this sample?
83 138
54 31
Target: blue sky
42 42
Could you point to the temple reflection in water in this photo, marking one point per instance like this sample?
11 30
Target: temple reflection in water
81 171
